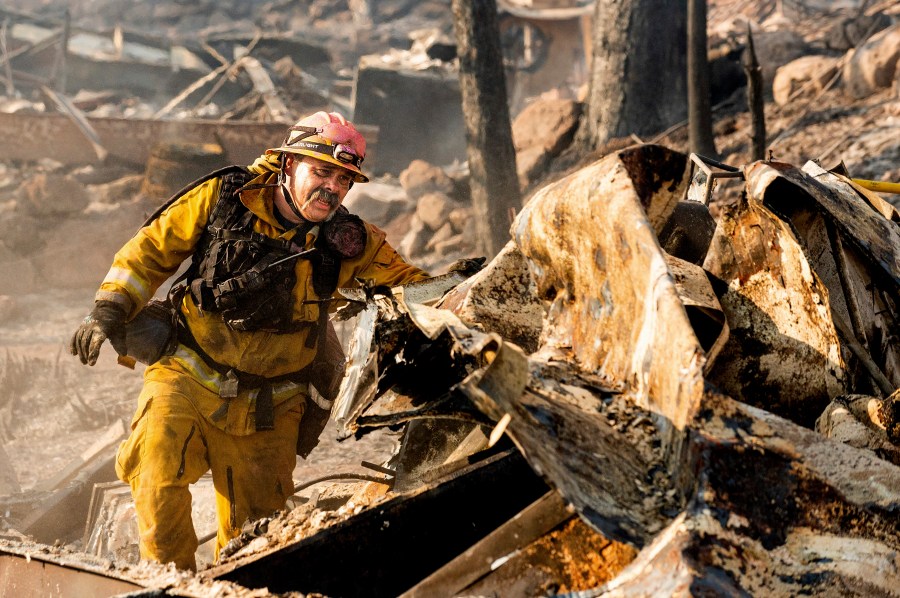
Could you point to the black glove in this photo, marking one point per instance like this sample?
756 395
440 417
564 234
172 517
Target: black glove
468 266
107 321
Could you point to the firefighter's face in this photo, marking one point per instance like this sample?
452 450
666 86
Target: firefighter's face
317 187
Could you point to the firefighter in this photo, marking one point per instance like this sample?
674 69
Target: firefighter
267 245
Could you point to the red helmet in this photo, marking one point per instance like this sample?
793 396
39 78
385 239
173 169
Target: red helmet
330 137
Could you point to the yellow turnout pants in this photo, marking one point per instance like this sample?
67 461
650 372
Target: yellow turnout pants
174 441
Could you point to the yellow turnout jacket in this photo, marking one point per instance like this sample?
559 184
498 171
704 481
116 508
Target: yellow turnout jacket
155 253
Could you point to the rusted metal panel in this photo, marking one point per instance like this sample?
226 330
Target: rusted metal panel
32 574
866 229
702 306
783 353
501 299
591 239
849 238
131 140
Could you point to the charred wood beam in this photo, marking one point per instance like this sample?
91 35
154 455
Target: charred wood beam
193 87
602 453
263 85
78 117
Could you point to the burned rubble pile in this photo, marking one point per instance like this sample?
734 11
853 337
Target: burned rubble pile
678 378
686 414
688 408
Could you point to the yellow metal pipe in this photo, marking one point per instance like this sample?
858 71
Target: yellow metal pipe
880 186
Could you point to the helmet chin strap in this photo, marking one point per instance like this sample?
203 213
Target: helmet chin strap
289 199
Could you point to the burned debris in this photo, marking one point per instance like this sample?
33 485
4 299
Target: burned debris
677 487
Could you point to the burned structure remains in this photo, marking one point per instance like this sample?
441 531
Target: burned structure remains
591 412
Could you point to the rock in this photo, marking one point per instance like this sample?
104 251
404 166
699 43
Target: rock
809 74
397 228
420 178
20 232
433 209
547 123
873 65
541 132
378 203
441 235
531 163
453 245
775 49
415 239
461 219
125 189
53 194
848 33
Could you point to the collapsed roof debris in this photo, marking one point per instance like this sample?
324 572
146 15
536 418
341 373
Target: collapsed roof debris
612 404
613 409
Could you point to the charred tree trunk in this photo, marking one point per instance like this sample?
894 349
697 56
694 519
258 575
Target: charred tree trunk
638 73
699 107
492 159
755 101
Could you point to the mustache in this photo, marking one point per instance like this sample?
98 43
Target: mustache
324 195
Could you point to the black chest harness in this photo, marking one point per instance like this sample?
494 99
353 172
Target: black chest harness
248 279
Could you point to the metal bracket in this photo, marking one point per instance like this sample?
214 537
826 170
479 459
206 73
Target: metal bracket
704 179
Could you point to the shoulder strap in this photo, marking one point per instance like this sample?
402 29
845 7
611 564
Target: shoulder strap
233 169
233 178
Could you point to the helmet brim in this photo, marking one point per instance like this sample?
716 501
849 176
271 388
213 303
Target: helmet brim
358 177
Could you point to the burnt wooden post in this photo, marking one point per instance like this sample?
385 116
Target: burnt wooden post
59 67
492 158
638 73
699 107
7 67
755 101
